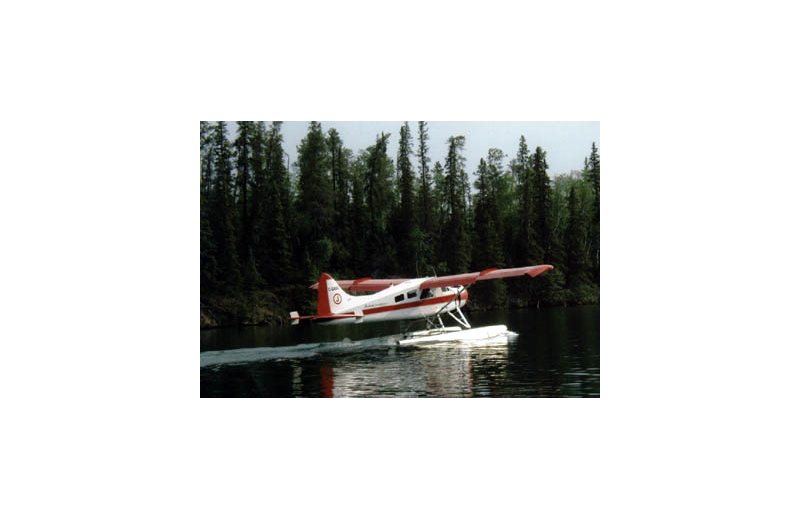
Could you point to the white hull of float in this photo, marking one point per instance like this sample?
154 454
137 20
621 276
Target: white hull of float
454 334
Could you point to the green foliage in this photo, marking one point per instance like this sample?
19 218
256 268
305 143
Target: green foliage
408 248
425 211
266 233
593 176
221 216
379 202
315 198
488 234
455 238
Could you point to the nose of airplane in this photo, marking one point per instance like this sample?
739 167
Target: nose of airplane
464 297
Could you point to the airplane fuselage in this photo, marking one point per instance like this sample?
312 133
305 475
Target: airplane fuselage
404 301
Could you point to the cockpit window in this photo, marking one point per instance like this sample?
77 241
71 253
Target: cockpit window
426 293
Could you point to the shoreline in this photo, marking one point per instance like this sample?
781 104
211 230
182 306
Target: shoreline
279 322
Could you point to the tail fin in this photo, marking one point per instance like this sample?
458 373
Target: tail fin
330 297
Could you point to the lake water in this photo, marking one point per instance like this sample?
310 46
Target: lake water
554 353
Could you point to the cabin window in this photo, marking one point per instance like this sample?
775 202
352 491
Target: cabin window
399 298
426 293
412 294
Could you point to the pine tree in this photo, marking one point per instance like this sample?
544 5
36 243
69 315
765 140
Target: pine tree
221 213
487 243
379 202
208 264
272 249
542 199
457 251
206 156
440 215
548 289
425 203
528 250
358 215
340 179
575 253
243 150
593 175
315 202
408 233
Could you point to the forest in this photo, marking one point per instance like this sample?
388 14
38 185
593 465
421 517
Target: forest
268 228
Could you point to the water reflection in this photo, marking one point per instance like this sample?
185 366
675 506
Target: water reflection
443 370
556 354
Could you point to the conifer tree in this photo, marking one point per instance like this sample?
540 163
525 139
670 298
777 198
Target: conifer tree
408 239
206 156
273 251
208 266
457 251
425 203
315 202
340 180
440 214
575 253
221 213
528 250
542 194
358 215
548 290
243 151
378 195
487 243
593 167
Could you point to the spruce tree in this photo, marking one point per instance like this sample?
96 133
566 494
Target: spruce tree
542 199
425 203
549 289
379 204
593 167
315 202
528 250
487 243
243 150
358 215
208 265
221 213
408 239
575 253
440 215
340 180
457 250
273 252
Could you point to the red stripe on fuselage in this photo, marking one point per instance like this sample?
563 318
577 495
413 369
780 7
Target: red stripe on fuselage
427 301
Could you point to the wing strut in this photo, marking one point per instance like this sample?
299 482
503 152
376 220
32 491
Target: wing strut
463 321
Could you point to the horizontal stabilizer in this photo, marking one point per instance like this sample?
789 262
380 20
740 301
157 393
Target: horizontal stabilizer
295 317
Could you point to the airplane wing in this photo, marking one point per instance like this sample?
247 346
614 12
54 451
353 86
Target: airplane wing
367 284
371 284
486 274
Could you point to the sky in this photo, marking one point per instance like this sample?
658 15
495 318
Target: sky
566 143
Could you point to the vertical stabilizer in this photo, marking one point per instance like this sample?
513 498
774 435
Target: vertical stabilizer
330 297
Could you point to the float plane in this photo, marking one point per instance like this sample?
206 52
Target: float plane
409 299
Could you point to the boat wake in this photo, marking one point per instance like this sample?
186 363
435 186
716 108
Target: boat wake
304 350
346 346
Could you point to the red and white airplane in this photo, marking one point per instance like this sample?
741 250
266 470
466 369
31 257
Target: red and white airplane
409 299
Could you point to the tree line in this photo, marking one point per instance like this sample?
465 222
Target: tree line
267 230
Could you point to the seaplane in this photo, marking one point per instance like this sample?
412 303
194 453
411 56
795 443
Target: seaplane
410 299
